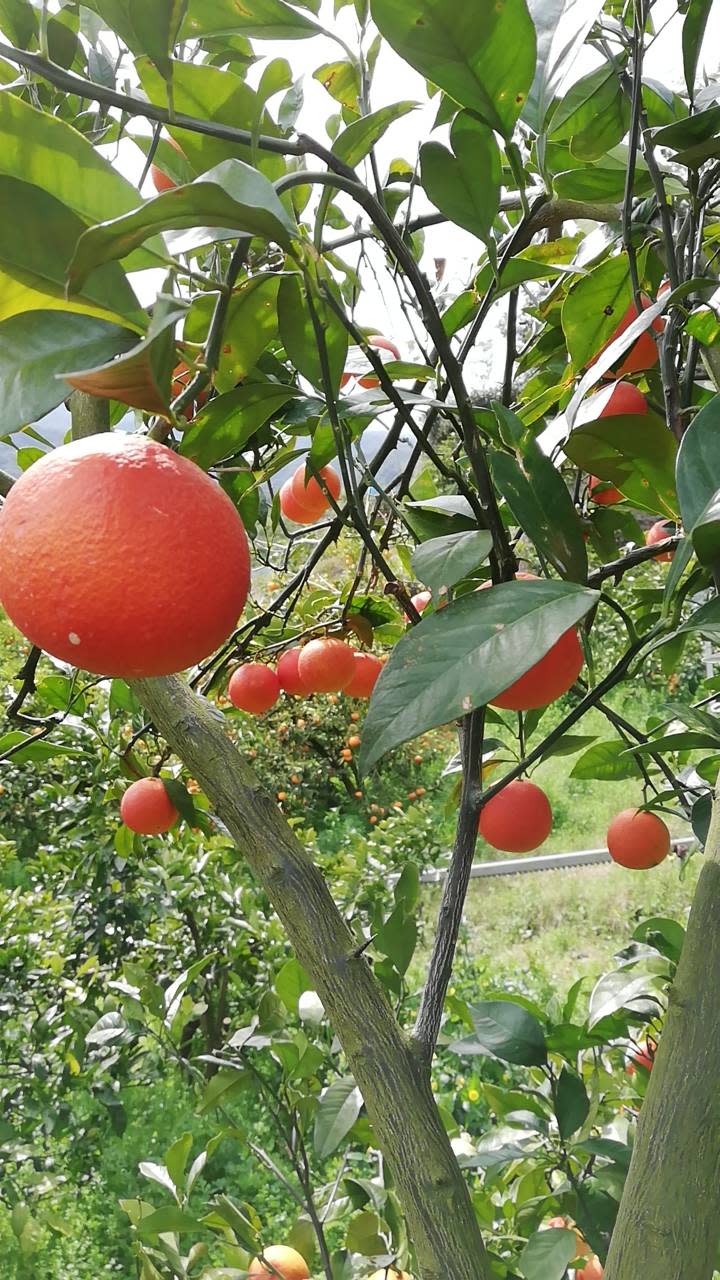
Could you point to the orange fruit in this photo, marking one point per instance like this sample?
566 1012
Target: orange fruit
287 1262
373 819
638 840
364 678
346 754
419 791
581 1245
354 741
288 674
658 533
147 808
294 510
644 1057
121 557
282 795
254 688
421 600
593 1270
549 678
370 379
517 819
643 354
311 494
601 493
327 664
162 181
390 1273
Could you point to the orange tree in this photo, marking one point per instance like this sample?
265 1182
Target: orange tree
590 196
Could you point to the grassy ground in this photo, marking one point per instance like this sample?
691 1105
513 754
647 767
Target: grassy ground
546 929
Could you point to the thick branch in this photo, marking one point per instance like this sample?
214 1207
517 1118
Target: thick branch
616 568
440 1217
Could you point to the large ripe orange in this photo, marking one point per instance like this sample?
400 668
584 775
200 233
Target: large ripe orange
326 665
638 840
517 819
287 1262
122 558
658 533
146 807
365 675
310 494
254 688
287 672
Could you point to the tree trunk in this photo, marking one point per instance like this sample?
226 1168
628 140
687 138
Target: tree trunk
669 1221
440 1218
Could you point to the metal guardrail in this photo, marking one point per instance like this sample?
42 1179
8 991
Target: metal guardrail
542 862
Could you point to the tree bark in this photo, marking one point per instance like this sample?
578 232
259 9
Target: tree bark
389 1072
669 1220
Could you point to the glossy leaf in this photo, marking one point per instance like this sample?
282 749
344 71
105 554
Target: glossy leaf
250 326
233 195
593 116
44 150
342 81
38 236
465 184
441 562
463 655
561 27
290 982
363 1235
696 16
690 740
36 348
169 1218
397 938
482 55
297 334
532 486
258 19
218 96
507 1031
224 426
621 989
666 935
636 453
572 1105
547 1254
701 817
141 377
594 307
357 141
705 620
144 28
607 761
338 1109
698 463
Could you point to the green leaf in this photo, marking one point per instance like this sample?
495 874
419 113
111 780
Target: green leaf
141 377
705 533
465 186
355 142
706 619
397 938
224 1084
342 81
593 116
568 745
547 1254
297 333
690 740
698 463
290 982
259 19
144 28
561 27
169 1218
482 55
250 326
364 1235
701 817
407 889
532 486
218 96
35 349
242 1221
606 761
18 21
572 1104
34 752
232 195
40 148
594 308
696 16
338 1109
636 453
509 1032
441 562
224 426
667 936
38 235
694 138
180 797
460 657
619 990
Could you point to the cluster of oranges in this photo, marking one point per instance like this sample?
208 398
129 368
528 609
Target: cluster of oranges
326 665
303 500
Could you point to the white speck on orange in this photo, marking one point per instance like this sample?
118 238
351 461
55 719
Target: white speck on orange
73 637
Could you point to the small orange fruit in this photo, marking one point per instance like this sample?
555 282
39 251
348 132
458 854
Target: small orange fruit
287 1263
147 809
364 678
658 533
638 840
354 741
287 672
517 819
254 688
310 494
